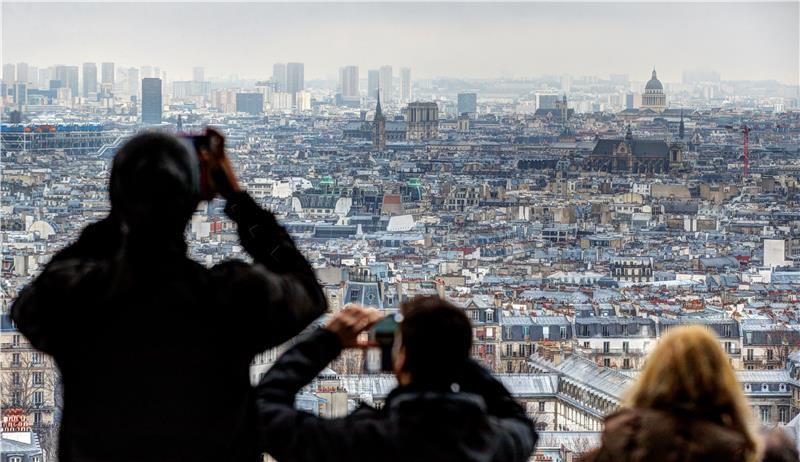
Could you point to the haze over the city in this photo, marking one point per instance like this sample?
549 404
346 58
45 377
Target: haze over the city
742 41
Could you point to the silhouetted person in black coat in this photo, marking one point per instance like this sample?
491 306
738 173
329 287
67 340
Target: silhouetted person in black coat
154 349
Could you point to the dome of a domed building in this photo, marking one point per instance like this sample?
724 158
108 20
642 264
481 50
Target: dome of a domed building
654 83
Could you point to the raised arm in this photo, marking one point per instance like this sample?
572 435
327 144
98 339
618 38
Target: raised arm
289 434
279 295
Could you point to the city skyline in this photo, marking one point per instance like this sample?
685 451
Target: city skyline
435 40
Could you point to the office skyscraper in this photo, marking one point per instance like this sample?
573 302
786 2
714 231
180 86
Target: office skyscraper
133 81
107 73
9 73
89 78
467 103
387 90
295 80
279 76
199 74
373 81
68 75
151 101
348 81
405 84
22 72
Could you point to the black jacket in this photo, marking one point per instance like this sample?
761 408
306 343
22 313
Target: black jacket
480 423
154 349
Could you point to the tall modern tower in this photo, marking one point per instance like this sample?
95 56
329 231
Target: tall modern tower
133 81
295 80
107 73
387 89
68 76
279 76
151 101
89 78
9 73
373 81
348 80
405 84
22 72
199 74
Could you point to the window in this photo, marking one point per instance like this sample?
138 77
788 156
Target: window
749 354
15 359
16 398
15 378
546 332
769 354
15 340
726 330
38 378
15 459
625 346
749 338
563 332
605 330
765 414
747 387
606 362
541 406
626 363
764 387
606 347
36 358
489 315
509 349
37 418
38 398
783 414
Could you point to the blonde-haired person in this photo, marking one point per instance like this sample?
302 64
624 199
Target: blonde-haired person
685 405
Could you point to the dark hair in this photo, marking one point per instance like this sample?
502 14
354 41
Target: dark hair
437 337
154 181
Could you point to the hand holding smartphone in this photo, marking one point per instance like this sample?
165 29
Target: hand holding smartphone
216 172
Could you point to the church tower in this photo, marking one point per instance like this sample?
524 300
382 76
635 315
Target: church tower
379 126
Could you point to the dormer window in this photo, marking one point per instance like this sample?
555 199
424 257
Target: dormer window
764 387
747 387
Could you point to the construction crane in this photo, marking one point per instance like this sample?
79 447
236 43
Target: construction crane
746 142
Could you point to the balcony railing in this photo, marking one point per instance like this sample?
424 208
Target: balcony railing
618 351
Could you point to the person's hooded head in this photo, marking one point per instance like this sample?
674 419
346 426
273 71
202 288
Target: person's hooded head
155 185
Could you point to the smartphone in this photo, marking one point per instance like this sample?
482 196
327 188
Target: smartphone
201 142
382 334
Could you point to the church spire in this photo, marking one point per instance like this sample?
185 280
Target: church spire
681 127
654 72
378 106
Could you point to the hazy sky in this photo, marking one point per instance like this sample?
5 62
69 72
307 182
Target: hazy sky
740 40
